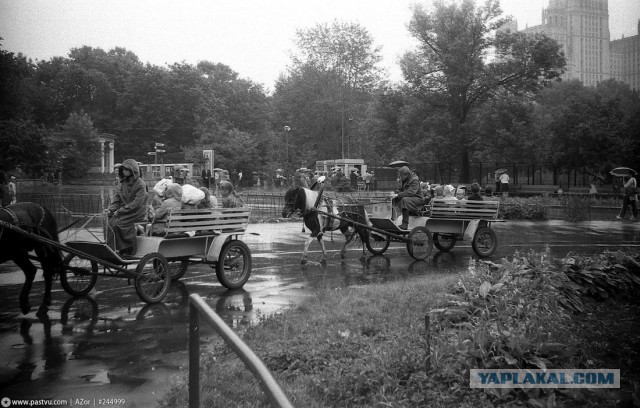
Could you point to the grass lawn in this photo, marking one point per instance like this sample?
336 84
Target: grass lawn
366 346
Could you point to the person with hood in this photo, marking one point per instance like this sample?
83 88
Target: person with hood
172 200
127 207
408 196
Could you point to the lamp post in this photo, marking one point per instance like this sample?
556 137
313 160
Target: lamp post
349 137
287 129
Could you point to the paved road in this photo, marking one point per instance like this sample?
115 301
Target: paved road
111 345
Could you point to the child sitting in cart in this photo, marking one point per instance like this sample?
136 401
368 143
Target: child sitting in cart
172 200
229 197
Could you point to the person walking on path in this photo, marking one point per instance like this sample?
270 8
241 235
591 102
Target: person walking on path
206 177
630 197
504 184
367 180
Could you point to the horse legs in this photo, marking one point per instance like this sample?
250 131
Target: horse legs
324 251
22 260
46 297
349 235
306 248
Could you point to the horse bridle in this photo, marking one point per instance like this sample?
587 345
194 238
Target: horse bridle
15 221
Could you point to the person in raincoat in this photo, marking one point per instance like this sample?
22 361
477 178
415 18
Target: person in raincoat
172 200
127 207
408 197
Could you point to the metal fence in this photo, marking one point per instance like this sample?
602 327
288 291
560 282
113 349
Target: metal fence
197 308
268 205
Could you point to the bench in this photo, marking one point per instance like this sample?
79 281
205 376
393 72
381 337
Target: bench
464 209
182 223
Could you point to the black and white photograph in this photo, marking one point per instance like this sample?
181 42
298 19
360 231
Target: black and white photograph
387 203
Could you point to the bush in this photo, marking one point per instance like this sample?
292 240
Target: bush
531 208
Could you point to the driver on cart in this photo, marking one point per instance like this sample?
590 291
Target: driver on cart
408 197
126 209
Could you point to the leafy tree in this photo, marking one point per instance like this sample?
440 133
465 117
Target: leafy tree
588 128
77 145
333 72
23 145
14 69
451 70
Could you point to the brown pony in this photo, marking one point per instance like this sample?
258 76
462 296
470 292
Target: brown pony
15 247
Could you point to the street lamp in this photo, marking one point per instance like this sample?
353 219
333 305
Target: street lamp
349 137
287 129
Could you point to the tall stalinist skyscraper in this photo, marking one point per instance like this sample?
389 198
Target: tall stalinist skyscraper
581 27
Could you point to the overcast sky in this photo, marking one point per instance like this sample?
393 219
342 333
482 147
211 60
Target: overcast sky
252 37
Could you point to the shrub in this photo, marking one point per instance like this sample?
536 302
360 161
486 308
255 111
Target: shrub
530 208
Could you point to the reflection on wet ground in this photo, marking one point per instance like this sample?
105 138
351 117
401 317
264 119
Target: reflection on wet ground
111 345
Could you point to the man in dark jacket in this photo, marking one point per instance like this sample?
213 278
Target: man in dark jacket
127 207
408 196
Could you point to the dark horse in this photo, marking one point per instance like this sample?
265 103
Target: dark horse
15 247
304 200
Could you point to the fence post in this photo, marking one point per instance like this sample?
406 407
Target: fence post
194 357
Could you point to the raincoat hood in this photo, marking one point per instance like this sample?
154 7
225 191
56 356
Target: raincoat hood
173 190
132 165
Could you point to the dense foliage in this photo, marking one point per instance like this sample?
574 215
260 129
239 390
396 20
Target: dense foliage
472 91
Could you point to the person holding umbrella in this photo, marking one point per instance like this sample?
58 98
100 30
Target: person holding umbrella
630 194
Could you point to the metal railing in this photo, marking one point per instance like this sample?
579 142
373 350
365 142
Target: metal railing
197 307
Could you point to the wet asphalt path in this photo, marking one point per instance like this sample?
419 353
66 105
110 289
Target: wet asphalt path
112 345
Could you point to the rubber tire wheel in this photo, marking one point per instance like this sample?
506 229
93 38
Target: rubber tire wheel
379 245
444 243
230 251
420 243
78 284
178 268
160 278
483 236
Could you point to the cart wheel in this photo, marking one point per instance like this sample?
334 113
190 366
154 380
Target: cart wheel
154 277
79 275
377 243
444 242
420 243
234 265
178 268
485 242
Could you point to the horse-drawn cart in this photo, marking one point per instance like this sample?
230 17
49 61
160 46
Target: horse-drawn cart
442 223
209 236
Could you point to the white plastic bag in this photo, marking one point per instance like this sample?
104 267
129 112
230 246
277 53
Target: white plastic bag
161 186
191 195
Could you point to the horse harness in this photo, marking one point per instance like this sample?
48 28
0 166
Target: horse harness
31 227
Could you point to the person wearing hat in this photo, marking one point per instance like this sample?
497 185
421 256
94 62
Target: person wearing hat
408 197
12 189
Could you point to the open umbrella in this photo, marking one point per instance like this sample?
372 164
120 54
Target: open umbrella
500 171
279 170
217 169
353 169
398 163
303 169
623 171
